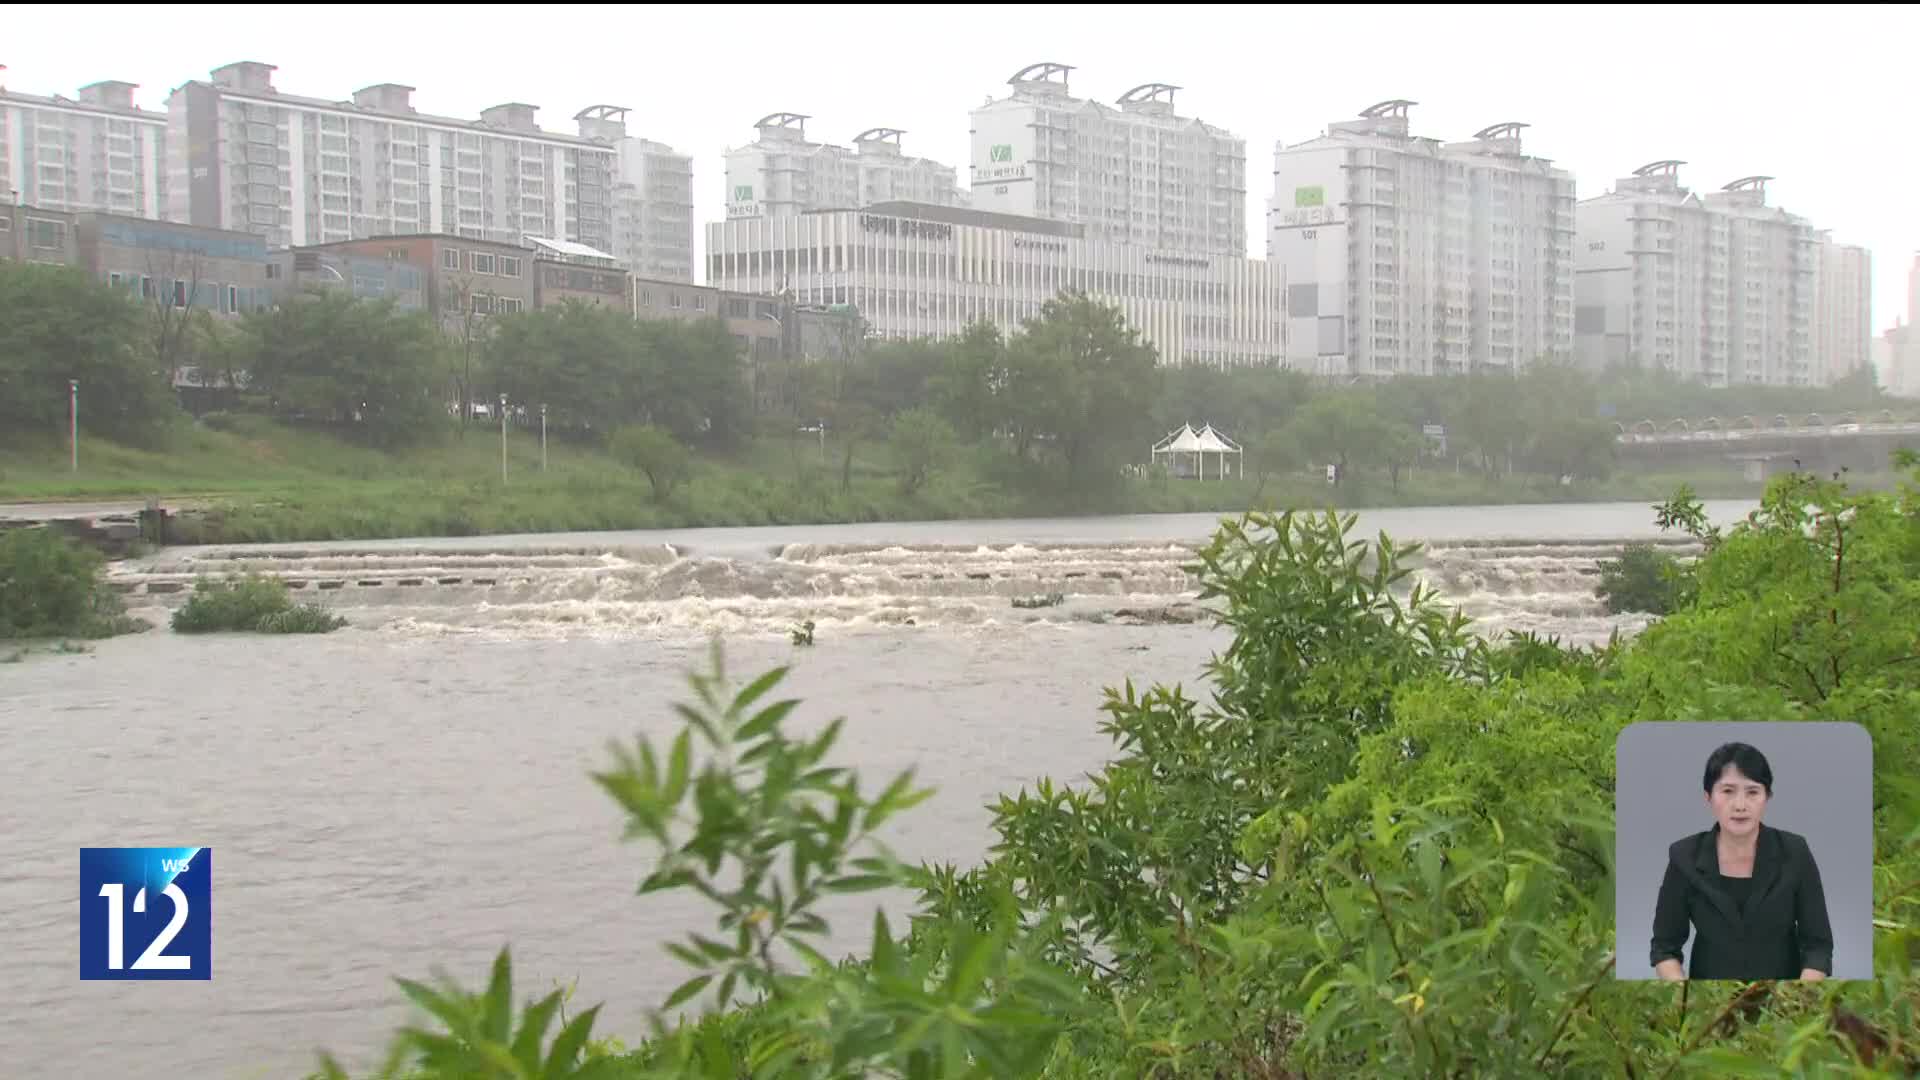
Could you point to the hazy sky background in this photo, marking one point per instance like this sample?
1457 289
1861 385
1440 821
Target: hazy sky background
1821 98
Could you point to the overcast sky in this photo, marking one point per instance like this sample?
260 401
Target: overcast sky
1821 98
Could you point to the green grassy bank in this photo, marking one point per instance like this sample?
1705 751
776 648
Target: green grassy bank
269 482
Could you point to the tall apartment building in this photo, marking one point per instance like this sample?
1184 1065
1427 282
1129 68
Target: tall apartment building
1898 353
1718 289
301 170
652 198
97 152
1136 174
782 173
916 271
1404 255
1842 309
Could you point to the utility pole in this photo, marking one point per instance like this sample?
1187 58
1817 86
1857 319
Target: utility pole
73 420
543 438
503 439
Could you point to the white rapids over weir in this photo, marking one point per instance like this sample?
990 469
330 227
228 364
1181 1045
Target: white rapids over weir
1543 585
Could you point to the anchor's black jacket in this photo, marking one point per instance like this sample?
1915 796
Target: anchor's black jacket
1780 929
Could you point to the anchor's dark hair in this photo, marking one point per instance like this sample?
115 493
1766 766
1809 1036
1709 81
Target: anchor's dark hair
1750 761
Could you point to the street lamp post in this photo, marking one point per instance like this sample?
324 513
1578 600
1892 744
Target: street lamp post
543 438
503 438
73 421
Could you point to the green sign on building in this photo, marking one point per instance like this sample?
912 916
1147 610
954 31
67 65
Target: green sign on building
1001 152
743 193
1310 196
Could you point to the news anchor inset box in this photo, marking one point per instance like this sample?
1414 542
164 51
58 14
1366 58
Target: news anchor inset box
1761 870
146 913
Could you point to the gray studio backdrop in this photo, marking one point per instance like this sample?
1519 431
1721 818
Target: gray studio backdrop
1822 789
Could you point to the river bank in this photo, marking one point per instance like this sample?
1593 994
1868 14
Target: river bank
265 483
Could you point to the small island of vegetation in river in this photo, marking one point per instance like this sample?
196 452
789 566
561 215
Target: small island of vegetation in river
1378 846
51 588
330 417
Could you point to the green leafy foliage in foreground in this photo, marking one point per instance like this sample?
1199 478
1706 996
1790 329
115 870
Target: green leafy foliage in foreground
254 603
51 587
1383 848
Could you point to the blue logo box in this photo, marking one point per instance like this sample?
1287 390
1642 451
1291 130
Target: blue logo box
146 913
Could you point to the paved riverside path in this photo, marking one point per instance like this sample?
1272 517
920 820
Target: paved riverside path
103 508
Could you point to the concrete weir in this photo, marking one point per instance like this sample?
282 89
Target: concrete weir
357 570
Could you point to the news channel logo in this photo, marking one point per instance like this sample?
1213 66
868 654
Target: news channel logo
146 913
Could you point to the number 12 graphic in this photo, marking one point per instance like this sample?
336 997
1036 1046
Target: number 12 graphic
181 947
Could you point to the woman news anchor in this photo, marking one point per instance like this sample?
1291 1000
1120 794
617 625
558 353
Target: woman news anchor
1750 892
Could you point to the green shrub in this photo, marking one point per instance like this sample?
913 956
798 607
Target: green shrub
300 619
1643 578
255 603
50 587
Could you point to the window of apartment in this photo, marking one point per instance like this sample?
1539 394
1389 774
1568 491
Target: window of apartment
509 266
233 299
509 305
699 302
46 235
450 259
113 278
480 263
483 304
646 297
179 293
736 308
673 301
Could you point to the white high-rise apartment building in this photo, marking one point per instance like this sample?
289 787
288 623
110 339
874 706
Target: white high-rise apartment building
1405 255
781 173
652 199
1898 354
1718 289
1842 310
100 152
300 170
1136 174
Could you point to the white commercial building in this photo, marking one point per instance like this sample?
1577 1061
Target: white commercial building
100 152
1717 289
1137 174
1405 255
781 173
1842 310
300 170
652 198
915 271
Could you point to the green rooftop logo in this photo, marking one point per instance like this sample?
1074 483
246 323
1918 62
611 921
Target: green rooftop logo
1310 196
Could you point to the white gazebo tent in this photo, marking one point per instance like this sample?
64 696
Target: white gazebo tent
1188 445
